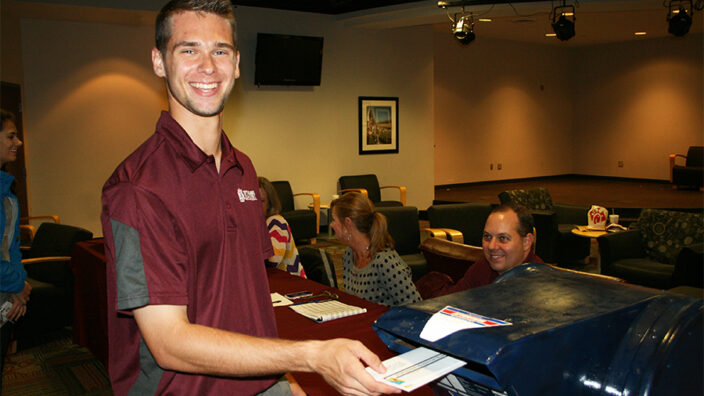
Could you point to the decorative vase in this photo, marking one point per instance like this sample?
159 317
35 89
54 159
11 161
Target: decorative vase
597 217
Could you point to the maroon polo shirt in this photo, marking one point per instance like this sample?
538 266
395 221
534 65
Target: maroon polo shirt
177 232
480 274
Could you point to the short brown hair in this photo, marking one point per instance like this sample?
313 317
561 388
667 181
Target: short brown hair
525 219
221 8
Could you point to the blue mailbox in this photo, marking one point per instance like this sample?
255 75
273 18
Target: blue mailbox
571 334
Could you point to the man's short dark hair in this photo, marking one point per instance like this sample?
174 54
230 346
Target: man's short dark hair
221 8
525 219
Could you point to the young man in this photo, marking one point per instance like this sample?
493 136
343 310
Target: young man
507 242
190 310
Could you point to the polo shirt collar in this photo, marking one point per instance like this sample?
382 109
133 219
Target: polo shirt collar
194 157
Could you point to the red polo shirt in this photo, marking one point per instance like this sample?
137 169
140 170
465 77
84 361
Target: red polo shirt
177 232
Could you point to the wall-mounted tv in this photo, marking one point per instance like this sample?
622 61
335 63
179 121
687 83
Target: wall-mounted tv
288 60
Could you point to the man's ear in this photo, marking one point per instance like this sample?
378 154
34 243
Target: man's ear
237 64
158 63
528 242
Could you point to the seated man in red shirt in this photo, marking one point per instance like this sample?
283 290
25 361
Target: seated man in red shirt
507 242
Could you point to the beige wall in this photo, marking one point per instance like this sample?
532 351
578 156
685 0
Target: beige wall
500 102
90 98
634 102
637 103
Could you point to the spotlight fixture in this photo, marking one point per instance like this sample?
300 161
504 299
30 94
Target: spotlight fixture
679 18
463 29
561 24
462 25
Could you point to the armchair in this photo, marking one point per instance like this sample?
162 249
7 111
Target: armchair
304 223
318 265
28 228
368 185
447 263
553 224
405 230
463 223
665 251
692 173
50 305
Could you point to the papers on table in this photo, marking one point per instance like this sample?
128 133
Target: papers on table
450 319
415 368
280 301
326 310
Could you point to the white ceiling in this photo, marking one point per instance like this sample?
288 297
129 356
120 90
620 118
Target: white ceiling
597 21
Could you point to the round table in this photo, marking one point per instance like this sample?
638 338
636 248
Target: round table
587 232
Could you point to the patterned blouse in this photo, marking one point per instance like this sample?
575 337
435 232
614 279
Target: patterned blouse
385 280
285 256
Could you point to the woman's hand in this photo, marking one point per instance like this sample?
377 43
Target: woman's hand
18 309
19 303
24 294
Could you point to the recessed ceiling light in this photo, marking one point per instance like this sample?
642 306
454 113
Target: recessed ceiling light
484 19
550 35
640 33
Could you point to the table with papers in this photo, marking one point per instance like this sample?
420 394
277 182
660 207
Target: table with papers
292 325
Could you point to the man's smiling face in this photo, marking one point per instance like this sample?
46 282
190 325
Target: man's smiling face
200 63
503 246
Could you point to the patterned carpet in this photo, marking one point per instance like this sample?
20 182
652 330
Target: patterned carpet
56 367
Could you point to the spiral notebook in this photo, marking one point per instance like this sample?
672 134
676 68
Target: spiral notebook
327 310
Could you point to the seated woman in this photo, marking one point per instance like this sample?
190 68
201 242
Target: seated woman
285 255
372 268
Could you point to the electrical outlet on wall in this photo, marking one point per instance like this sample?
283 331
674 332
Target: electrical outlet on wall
620 164
498 166
491 166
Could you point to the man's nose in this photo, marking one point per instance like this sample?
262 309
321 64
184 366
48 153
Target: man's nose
491 244
207 65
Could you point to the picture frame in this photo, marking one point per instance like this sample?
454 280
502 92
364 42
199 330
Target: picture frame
378 125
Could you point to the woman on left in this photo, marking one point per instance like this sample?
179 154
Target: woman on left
14 289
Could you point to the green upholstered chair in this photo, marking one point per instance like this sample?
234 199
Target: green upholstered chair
553 224
405 230
368 185
663 252
304 223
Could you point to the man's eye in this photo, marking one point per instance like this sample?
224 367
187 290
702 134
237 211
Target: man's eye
487 237
220 52
504 238
188 51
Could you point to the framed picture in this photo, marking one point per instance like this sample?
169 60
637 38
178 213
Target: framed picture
378 125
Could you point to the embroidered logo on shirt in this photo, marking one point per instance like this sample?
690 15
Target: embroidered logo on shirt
246 195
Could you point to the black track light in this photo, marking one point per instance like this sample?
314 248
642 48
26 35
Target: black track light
561 23
463 29
679 19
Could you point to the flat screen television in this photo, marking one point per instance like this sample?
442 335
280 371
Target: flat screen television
288 60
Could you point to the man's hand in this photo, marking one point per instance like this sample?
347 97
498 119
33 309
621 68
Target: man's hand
341 363
213 351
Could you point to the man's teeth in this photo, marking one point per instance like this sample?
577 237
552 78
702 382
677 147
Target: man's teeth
204 86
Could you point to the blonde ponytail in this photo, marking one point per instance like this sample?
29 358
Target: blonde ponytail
379 238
